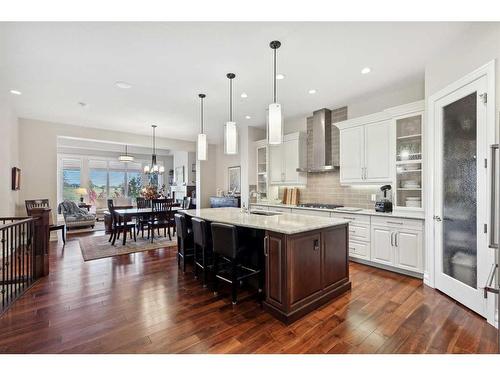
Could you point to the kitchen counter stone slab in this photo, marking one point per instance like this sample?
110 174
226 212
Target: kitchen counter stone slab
283 223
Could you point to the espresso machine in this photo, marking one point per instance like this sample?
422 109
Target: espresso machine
384 204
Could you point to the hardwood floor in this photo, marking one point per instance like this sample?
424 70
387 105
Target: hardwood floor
141 303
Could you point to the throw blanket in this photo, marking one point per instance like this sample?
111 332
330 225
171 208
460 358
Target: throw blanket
69 208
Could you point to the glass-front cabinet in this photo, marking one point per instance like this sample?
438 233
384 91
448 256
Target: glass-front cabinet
262 175
409 177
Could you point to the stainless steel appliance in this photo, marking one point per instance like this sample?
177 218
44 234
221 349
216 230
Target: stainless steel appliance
385 204
493 284
325 154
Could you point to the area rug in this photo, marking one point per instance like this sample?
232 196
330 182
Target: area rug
97 247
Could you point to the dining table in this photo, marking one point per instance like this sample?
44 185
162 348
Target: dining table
125 214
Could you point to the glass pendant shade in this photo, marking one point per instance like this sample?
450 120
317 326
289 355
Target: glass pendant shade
230 138
274 124
125 158
202 146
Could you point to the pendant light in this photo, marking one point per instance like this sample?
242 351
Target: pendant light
154 168
125 158
274 115
230 130
202 137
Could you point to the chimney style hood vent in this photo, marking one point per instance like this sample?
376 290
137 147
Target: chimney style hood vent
323 159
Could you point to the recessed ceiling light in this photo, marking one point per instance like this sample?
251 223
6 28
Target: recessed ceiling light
123 85
248 117
365 70
280 76
244 95
15 92
312 91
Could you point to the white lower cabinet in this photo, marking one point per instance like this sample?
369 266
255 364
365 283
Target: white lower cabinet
359 249
382 249
398 247
384 240
408 246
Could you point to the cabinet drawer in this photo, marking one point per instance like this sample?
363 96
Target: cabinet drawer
360 232
396 222
353 218
359 249
299 211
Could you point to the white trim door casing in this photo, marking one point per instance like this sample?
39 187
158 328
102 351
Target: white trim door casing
480 81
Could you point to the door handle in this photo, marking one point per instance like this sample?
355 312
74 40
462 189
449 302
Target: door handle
488 287
392 238
437 218
493 150
316 245
396 234
266 253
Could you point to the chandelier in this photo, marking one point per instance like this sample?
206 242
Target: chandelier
154 168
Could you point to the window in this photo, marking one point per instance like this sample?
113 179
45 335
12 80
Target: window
71 179
98 180
102 177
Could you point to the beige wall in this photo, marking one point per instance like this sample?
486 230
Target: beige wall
206 178
38 153
223 162
9 157
479 45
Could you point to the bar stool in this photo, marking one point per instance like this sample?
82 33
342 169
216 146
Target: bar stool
226 247
202 248
184 241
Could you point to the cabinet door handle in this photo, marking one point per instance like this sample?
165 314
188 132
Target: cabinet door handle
396 239
348 218
316 245
395 222
392 238
266 253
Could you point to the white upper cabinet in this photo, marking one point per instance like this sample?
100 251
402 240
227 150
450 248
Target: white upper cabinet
366 149
284 160
378 152
351 154
275 164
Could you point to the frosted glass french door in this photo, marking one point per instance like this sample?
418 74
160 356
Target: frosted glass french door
461 195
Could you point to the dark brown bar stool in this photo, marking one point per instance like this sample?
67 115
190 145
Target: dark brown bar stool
203 254
226 247
184 241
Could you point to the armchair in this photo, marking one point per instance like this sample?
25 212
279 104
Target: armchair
74 216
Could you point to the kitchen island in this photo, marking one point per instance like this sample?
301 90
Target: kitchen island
306 258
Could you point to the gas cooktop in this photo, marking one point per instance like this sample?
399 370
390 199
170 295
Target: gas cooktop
321 205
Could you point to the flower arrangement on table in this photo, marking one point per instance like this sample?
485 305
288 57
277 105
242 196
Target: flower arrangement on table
152 192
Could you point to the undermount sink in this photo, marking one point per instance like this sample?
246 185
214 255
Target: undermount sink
265 213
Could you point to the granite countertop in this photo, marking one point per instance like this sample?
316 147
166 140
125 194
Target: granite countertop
281 223
404 215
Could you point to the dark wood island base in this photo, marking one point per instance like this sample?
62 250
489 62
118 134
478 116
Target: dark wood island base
305 270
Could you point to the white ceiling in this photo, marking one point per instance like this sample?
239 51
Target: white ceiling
57 65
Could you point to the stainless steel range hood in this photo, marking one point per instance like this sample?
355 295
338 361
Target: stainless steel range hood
323 159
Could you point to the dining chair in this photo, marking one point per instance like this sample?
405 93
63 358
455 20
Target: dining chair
44 203
162 217
117 226
142 221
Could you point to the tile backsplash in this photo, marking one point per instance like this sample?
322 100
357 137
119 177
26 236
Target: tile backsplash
325 187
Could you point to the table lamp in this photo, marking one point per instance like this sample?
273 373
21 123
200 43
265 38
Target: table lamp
81 192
